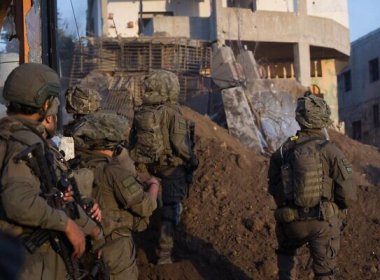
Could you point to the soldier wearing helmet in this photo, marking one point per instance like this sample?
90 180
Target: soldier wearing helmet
30 90
81 177
125 205
311 182
80 102
160 140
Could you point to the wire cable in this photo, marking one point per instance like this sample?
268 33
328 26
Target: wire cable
75 19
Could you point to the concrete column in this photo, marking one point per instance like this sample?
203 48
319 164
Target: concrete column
301 7
216 17
104 10
302 63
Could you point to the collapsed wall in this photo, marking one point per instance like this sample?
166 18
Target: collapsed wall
259 112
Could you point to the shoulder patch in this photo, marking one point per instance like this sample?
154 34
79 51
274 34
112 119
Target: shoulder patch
347 165
180 126
130 185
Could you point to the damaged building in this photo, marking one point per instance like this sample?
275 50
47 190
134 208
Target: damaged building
264 54
359 85
242 63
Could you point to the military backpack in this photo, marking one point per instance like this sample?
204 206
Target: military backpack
148 143
302 173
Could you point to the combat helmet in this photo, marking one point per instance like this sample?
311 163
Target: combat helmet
82 100
161 86
31 84
100 130
312 112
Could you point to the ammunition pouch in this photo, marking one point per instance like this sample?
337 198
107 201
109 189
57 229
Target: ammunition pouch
329 210
123 222
170 160
285 215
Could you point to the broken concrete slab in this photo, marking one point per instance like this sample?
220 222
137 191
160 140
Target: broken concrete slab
250 67
226 72
240 120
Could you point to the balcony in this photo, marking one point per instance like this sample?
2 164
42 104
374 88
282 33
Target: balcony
179 26
264 26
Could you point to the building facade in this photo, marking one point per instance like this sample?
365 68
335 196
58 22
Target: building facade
359 90
291 39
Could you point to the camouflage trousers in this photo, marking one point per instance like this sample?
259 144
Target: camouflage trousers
323 238
174 189
119 253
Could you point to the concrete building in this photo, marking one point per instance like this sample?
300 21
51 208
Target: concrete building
359 87
290 39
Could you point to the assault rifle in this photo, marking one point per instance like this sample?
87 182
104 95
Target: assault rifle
95 267
42 164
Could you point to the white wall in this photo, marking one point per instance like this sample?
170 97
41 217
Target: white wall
333 9
275 5
126 11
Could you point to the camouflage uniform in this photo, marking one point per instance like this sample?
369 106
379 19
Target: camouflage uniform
21 205
170 165
125 206
318 226
83 177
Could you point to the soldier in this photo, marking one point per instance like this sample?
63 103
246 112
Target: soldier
160 140
125 205
30 89
83 177
80 181
311 182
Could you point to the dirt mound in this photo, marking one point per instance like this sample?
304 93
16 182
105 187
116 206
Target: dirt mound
227 230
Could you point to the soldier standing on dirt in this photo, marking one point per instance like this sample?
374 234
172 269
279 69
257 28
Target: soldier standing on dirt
30 89
125 205
311 182
160 140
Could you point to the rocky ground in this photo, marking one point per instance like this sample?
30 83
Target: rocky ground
227 230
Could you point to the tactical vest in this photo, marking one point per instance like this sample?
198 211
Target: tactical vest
302 173
21 135
151 144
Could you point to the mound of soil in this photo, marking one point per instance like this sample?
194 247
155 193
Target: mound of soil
227 228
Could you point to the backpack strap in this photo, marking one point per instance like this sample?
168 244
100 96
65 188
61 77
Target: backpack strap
3 153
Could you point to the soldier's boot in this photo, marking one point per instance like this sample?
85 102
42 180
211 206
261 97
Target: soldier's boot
166 243
287 265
